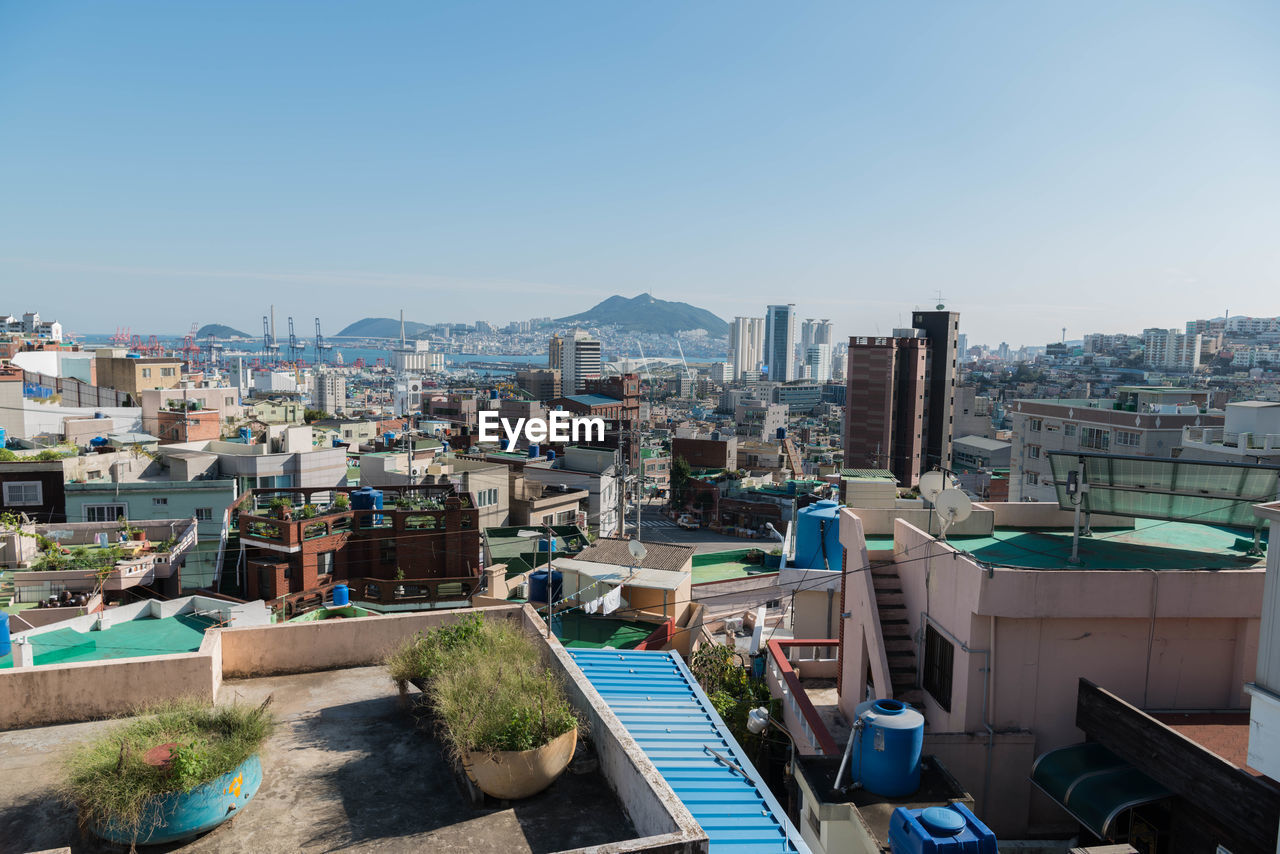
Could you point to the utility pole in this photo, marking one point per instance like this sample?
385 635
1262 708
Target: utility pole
622 501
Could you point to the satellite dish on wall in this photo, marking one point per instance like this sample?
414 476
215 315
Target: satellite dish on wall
952 506
931 485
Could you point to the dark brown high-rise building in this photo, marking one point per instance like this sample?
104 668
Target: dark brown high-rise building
885 405
942 328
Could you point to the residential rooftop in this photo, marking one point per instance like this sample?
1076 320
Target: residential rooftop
1150 544
617 550
346 769
722 566
145 636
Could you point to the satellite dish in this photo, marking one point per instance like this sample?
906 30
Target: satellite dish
952 506
931 485
637 549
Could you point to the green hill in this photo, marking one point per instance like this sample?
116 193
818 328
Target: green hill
218 330
645 313
382 327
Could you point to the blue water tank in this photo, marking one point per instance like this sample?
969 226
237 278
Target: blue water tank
538 585
388 438
503 443
337 443
493 394
366 498
939 830
5 645
890 740
341 596
815 524
533 451
97 441
545 544
246 434
99 415
782 433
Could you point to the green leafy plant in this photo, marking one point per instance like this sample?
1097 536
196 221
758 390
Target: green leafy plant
341 501
109 781
309 511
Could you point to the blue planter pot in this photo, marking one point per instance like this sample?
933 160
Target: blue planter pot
182 815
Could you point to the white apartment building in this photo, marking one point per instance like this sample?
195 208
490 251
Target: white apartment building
1170 349
331 392
746 345
414 357
1141 421
579 361
31 325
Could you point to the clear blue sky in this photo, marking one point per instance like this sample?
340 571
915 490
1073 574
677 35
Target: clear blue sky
1101 166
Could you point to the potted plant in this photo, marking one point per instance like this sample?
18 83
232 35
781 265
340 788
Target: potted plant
309 511
341 501
282 509
500 713
174 772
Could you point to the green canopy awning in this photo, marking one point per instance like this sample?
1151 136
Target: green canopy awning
1094 785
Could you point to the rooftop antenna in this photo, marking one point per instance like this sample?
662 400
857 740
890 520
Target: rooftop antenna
941 306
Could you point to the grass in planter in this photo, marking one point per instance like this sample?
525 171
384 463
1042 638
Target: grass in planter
425 655
487 685
108 781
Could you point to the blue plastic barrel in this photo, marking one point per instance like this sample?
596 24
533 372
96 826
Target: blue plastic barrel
782 433
246 434
6 646
939 830
388 438
341 596
533 451
551 455
889 746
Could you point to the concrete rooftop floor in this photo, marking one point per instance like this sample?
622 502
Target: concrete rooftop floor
345 770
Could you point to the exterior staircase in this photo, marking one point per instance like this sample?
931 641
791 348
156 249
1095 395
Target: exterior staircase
900 649
793 458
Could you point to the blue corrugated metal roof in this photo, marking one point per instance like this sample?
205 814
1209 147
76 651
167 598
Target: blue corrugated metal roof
594 399
661 705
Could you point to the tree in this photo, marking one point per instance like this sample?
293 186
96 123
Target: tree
681 473
311 415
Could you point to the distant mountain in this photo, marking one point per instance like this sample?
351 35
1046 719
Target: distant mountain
382 327
644 313
218 330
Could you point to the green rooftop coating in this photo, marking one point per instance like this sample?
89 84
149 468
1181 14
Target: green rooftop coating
579 631
1151 544
721 566
131 639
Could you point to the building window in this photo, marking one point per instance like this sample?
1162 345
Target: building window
387 552
1068 429
23 493
939 661
1032 478
1128 437
324 563
1036 425
1095 437
146 373
159 502
166 372
1033 452
104 512
204 514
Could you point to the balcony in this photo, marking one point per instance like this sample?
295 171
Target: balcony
802 674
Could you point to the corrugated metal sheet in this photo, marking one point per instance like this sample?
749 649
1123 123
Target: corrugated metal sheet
669 716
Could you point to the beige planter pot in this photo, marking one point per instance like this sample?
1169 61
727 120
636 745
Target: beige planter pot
513 774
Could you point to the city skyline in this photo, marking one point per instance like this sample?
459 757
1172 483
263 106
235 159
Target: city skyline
854 161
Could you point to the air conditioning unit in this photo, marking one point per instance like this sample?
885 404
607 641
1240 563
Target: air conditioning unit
522 590
416 472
